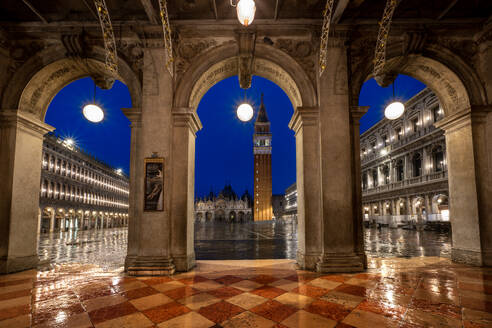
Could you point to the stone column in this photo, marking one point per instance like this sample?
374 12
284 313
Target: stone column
21 140
468 149
135 117
305 123
356 113
340 252
185 125
150 231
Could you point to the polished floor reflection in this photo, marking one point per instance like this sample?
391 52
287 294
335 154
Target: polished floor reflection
107 247
394 292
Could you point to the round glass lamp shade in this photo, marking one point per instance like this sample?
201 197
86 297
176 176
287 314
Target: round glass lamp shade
246 11
93 113
245 112
394 110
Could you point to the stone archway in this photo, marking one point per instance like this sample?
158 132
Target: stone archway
23 107
278 67
463 100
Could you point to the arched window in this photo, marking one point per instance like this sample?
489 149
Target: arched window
438 159
417 165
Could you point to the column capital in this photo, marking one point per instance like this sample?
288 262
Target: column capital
304 116
356 112
134 114
455 121
25 121
184 116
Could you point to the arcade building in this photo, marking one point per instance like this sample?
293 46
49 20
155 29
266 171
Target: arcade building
79 192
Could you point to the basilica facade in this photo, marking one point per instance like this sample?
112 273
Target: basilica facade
224 207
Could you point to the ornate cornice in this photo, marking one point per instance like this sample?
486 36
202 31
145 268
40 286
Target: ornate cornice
304 116
186 117
25 121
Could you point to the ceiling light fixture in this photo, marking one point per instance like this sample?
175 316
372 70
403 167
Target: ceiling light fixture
394 110
92 112
246 10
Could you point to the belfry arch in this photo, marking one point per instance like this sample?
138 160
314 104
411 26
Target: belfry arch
463 100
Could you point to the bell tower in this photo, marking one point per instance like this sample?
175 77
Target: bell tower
262 149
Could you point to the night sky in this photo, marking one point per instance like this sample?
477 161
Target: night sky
224 145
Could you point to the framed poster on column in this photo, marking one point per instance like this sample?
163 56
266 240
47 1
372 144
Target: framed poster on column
154 184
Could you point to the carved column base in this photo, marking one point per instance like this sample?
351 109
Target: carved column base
335 263
15 264
150 266
184 263
467 257
307 261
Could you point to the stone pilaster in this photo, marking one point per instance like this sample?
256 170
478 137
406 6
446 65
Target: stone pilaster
305 123
185 125
356 112
340 250
468 147
21 141
135 117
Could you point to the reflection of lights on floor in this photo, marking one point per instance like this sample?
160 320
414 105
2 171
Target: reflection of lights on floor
61 317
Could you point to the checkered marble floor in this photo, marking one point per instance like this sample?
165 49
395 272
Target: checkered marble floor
418 292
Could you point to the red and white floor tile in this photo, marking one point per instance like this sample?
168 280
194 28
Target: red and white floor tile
418 292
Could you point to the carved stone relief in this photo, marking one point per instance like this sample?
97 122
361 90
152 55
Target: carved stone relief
216 73
276 74
188 49
302 51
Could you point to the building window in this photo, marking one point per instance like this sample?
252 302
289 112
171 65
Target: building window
373 145
417 165
375 178
415 123
386 173
398 133
399 170
385 140
436 112
364 181
438 159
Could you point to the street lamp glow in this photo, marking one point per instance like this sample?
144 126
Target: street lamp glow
394 110
245 112
93 113
246 11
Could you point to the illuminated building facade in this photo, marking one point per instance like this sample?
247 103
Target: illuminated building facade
79 191
404 169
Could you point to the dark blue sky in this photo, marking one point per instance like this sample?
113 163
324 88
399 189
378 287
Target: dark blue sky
224 145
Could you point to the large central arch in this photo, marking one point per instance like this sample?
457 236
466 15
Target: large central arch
221 63
211 68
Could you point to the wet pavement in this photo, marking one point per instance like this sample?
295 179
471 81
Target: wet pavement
107 248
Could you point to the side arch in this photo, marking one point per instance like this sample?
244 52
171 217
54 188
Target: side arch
41 77
454 82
